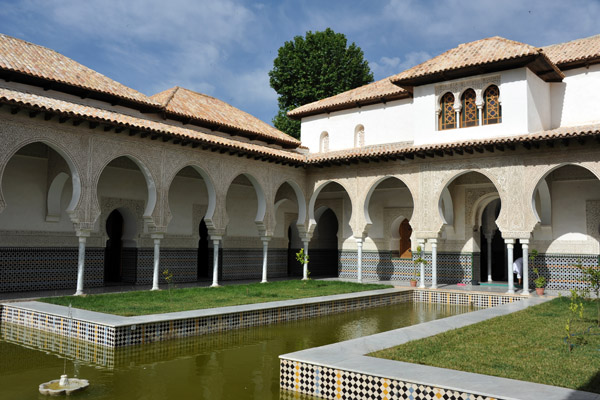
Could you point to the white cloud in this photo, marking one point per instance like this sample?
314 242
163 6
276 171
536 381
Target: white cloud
387 66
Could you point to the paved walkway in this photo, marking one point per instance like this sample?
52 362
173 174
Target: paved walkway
20 296
352 356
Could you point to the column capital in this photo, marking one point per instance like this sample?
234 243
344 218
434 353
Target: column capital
432 241
524 241
157 236
358 239
266 239
216 233
510 241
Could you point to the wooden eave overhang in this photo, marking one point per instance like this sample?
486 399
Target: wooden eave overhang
226 128
79 91
351 104
60 116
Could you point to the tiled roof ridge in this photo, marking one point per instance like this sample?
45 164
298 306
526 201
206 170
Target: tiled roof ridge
90 113
139 97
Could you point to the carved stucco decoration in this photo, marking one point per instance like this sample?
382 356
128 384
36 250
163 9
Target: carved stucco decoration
72 148
136 207
390 214
471 197
479 85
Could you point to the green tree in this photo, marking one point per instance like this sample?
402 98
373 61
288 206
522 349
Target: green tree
312 68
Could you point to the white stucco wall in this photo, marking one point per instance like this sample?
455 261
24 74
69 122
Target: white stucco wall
183 194
242 206
575 101
384 123
513 96
538 103
569 209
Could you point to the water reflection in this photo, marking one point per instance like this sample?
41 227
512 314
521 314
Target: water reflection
240 364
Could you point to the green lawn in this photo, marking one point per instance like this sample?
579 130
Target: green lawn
147 302
527 345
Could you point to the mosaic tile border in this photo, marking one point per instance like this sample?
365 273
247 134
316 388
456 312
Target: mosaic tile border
133 334
330 383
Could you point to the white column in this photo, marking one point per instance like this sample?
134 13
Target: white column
305 266
509 250
359 245
265 241
422 244
433 243
156 263
216 241
80 266
489 238
479 114
525 246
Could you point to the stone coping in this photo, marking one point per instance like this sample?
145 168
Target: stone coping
352 356
116 321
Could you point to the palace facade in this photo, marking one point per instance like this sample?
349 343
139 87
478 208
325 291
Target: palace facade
476 157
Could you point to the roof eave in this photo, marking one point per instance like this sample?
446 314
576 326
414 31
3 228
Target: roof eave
348 105
49 84
538 63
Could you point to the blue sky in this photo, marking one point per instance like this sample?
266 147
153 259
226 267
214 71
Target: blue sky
225 48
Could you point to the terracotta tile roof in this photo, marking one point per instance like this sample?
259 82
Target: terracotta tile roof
574 53
406 149
19 56
73 110
206 109
470 59
382 90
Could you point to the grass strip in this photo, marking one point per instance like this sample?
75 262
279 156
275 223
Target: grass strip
163 301
527 345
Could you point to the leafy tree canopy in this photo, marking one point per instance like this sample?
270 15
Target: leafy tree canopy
312 68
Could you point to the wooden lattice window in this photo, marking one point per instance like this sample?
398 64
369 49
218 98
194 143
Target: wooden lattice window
492 111
468 114
405 231
447 114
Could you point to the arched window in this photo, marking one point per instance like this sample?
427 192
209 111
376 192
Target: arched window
324 143
492 111
468 114
359 136
405 244
447 114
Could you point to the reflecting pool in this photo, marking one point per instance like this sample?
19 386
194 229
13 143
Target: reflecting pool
241 364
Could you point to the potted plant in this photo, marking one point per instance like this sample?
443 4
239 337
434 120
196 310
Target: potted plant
416 270
540 282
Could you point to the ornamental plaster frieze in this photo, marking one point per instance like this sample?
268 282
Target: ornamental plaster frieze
458 87
592 218
135 207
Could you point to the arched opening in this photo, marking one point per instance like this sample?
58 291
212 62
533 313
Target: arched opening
566 202
472 202
405 232
242 247
359 136
123 187
493 250
324 246
36 233
113 252
289 209
203 252
388 209
325 258
191 200
324 142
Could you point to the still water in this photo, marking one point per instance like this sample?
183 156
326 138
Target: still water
240 364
